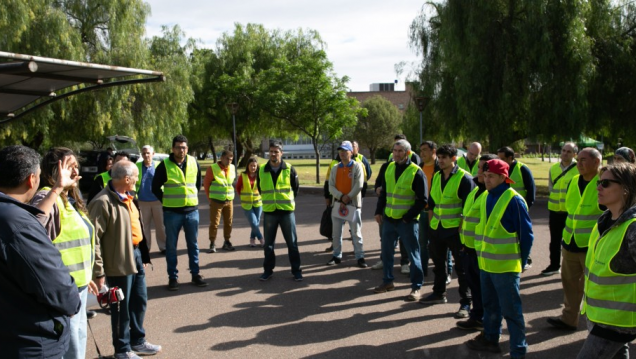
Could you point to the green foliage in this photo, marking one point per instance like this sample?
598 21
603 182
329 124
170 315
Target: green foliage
379 126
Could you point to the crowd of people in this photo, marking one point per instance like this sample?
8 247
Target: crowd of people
468 214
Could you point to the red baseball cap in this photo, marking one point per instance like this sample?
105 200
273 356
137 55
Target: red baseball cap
499 167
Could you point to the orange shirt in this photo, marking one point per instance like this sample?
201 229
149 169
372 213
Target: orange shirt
344 179
137 234
429 171
209 177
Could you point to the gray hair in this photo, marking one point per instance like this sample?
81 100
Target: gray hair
148 147
575 148
122 170
594 153
403 143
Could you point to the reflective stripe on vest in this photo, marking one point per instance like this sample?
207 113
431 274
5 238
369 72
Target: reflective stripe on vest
400 196
448 205
139 164
280 196
462 162
556 200
583 212
498 250
221 188
180 190
471 213
516 176
75 242
610 298
249 195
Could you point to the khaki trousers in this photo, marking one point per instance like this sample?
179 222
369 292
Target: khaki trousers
153 212
216 211
573 280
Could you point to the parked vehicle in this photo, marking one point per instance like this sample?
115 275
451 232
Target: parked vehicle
89 158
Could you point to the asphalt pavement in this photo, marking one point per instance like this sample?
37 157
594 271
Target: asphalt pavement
333 312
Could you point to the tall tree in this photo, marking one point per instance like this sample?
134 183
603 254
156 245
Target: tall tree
376 128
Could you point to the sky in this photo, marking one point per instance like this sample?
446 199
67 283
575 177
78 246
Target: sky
365 39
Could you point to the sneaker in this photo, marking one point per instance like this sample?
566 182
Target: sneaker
146 348
212 248
378 265
265 276
463 312
434 298
298 277
449 278
480 343
527 266
414 296
262 242
384 287
252 242
550 271
362 263
228 246
173 284
90 314
405 269
197 280
558 323
470 324
127 355
329 249
333 260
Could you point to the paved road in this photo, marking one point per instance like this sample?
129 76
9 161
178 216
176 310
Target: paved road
333 312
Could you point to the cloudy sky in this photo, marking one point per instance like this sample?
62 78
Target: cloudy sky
365 39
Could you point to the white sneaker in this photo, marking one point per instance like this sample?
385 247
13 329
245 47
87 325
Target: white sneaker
146 348
127 355
378 265
405 269
448 279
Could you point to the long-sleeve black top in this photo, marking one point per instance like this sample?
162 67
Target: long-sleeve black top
293 180
465 187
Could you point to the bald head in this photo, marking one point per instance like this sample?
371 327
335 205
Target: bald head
474 151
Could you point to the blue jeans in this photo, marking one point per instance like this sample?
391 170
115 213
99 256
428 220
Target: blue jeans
356 235
127 318
407 232
77 327
287 223
173 222
501 299
253 216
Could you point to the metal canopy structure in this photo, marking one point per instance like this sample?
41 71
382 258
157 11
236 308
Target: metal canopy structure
30 82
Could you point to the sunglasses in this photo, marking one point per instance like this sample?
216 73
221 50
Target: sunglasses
606 182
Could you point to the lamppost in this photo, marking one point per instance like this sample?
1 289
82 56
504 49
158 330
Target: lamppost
421 105
234 108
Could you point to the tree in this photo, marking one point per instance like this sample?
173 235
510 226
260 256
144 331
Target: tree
377 128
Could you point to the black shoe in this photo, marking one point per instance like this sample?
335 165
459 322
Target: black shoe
480 343
330 249
90 314
470 324
173 284
163 252
362 263
197 280
550 271
298 277
560 324
265 276
228 246
434 299
333 260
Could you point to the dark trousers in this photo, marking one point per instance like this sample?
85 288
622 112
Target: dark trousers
556 223
438 249
127 317
287 223
471 271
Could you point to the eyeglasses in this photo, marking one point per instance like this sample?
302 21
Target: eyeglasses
606 182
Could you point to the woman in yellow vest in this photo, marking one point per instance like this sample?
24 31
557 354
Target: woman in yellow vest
247 189
610 280
70 230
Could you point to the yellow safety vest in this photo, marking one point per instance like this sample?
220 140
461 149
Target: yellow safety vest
139 167
249 195
610 298
556 201
472 209
105 177
179 190
221 188
280 196
498 250
76 242
400 196
515 175
463 164
448 205
583 212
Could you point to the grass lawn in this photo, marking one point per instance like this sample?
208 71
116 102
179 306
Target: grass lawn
307 171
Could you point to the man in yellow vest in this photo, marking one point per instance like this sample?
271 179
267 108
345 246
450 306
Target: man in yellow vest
468 162
151 208
581 202
402 198
101 179
278 185
176 184
559 178
219 189
449 189
503 240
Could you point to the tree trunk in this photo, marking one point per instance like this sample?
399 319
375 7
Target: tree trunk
317 153
211 144
372 154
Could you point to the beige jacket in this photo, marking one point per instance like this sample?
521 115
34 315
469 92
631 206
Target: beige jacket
356 186
114 256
